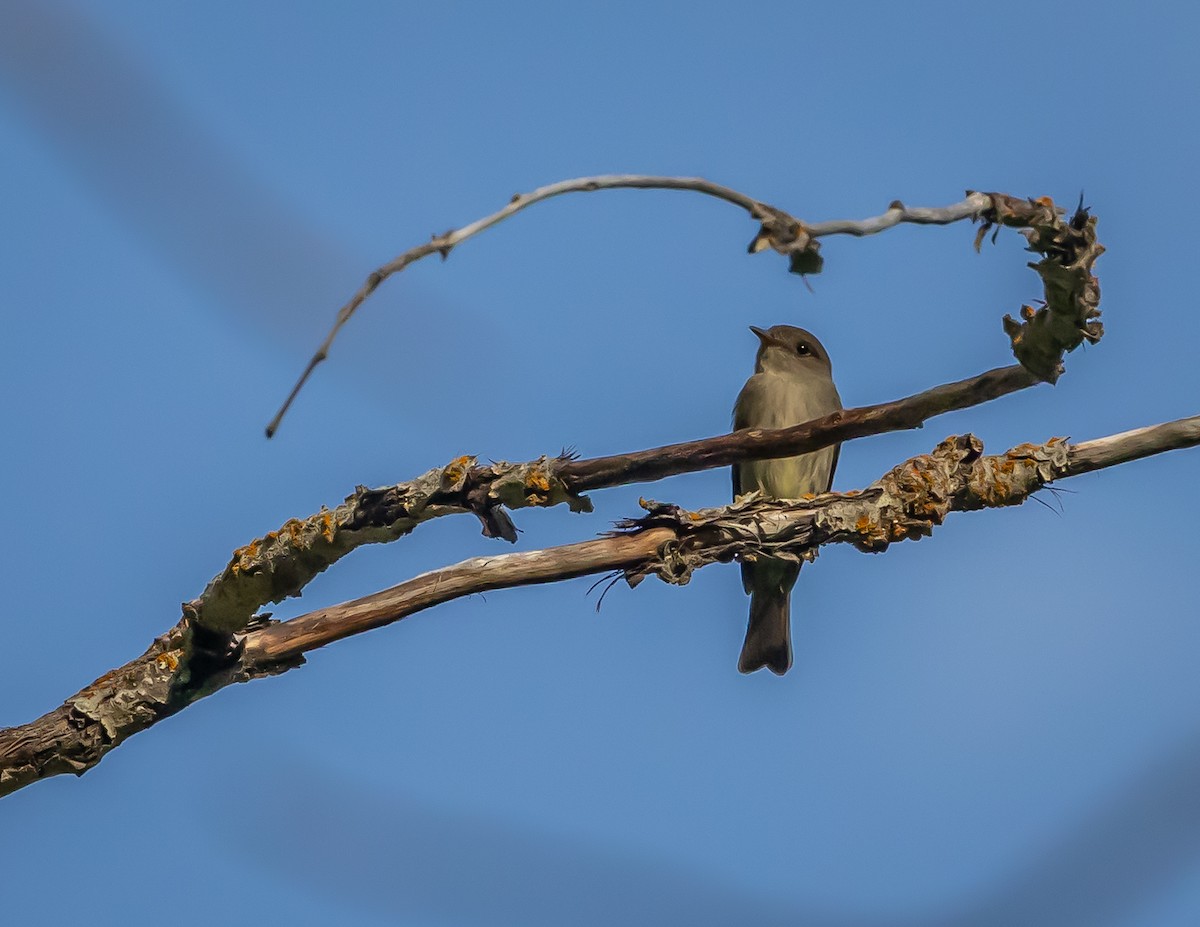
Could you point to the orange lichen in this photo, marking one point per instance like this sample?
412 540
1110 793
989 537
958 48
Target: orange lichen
537 479
110 676
996 488
458 467
294 529
168 661
244 557
871 536
930 510
327 525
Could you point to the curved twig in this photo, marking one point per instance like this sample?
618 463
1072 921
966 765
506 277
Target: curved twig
444 243
780 231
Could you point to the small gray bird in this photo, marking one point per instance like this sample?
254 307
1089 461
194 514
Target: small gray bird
792 383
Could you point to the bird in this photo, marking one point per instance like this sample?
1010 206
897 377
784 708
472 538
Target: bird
792 383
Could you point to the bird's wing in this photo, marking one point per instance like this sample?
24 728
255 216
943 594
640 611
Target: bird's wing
753 385
837 450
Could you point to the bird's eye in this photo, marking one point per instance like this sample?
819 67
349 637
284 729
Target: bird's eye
802 349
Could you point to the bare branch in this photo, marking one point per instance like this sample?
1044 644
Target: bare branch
779 231
907 503
760 444
1099 453
970 208
283 562
293 638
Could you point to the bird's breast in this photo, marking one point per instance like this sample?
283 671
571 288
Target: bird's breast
773 401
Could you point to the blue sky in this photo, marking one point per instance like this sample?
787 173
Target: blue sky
998 725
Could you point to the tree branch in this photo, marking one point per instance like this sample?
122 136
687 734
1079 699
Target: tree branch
760 444
283 562
906 503
1041 344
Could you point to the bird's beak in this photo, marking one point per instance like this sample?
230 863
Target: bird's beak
763 336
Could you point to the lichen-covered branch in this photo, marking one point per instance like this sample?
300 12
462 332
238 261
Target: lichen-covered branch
1070 310
283 562
908 502
79 733
1066 251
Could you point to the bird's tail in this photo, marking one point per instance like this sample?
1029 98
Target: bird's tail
768 636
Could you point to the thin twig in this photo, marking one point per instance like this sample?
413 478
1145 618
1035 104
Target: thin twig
898 213
781 231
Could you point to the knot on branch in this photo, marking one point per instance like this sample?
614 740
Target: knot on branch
1069 313
787 235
